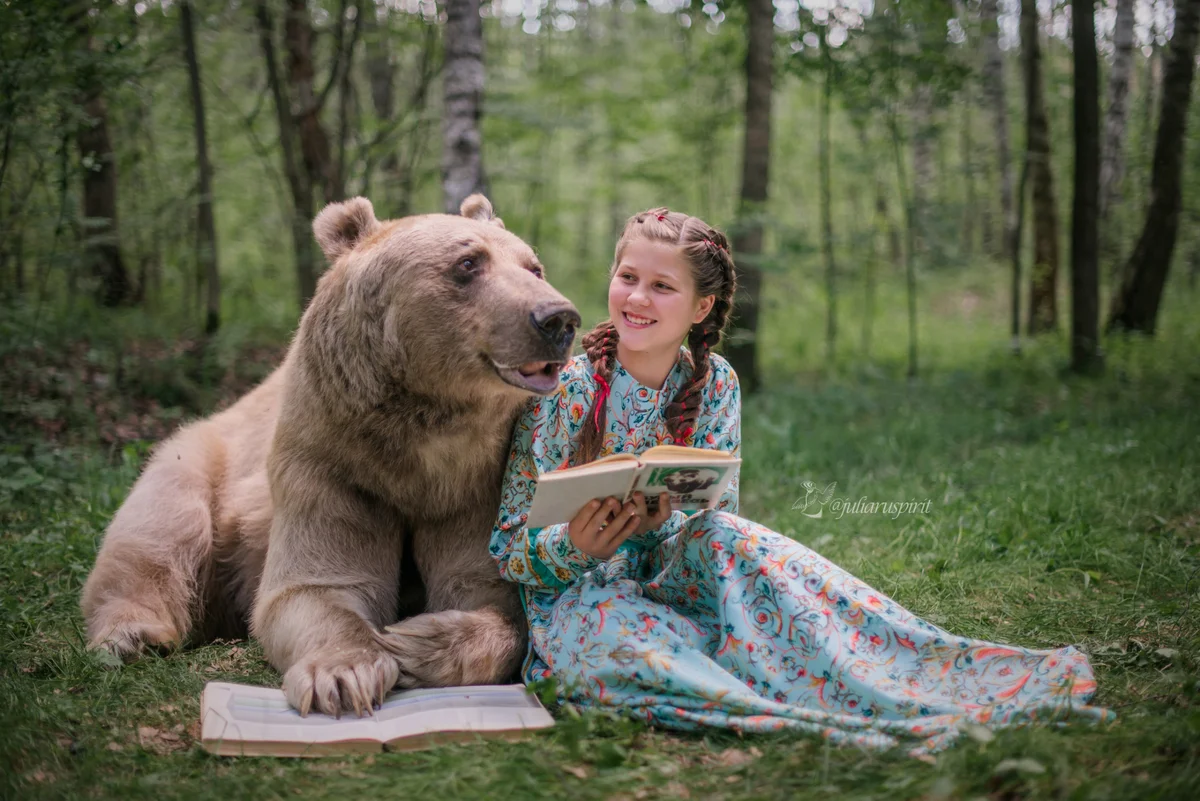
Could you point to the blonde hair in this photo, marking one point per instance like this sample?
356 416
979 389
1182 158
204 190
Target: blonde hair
706 251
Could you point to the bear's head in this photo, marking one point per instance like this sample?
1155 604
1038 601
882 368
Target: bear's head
441 305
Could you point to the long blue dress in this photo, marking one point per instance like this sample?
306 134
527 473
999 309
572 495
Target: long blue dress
714 620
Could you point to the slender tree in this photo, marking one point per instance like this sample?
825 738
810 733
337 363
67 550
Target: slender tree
1085 276
297 177
206 230
826 198
1112 164
993 87
1043 278
1135 305
101 241
756 151
462 86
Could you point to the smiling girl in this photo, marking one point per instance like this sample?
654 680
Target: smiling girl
714 620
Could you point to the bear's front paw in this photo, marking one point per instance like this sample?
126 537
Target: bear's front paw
335 680
449 648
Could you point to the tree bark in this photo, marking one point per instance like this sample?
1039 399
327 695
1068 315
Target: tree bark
827 202
206 230
993 87
756 161
1043 277
298 178
314 141
1085 274
101 240
924 134
1112 165
462 86
1135 305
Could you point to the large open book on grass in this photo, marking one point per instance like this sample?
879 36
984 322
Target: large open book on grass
240 720
694 477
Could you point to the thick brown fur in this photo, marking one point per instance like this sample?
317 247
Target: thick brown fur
376 448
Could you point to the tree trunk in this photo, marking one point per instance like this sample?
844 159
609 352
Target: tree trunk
1135 305
967 231
346 98
924 134
1043 277
756 161
101 240
993 87
1112 165
206 231
381 78
314 142
462 85
298 178
1085 275
826 203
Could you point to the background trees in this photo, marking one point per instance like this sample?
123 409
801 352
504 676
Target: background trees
830 139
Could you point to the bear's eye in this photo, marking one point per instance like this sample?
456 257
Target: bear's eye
468 268
538 271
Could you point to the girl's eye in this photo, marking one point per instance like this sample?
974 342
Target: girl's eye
664 286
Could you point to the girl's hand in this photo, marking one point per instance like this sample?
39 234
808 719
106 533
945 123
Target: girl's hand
651 522
600 527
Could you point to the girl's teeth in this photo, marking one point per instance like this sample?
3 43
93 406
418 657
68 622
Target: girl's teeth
637 320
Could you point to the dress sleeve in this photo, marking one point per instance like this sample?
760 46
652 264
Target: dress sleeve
720 423
544 557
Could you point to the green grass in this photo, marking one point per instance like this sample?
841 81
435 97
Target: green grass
1062 511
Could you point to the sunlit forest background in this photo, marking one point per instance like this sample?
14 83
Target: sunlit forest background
898 136
968 242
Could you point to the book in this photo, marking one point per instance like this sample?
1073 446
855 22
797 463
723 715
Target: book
694 478
241 720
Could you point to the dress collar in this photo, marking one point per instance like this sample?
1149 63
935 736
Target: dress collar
642 397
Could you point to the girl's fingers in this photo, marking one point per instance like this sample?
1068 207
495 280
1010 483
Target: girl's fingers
601 515
614 534
625 532
664 507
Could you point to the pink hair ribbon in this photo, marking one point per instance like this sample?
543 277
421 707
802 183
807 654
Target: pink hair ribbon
601 398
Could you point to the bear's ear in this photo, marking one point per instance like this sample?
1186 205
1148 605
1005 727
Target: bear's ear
341 226
478 207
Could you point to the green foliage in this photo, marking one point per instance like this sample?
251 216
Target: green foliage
1061 511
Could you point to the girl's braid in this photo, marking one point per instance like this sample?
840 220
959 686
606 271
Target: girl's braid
685 406
600 345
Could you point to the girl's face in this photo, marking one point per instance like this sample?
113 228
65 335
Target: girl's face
652 298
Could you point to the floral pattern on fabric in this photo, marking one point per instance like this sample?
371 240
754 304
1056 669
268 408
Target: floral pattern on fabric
714 620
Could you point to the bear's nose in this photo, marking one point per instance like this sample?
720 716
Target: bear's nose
556 322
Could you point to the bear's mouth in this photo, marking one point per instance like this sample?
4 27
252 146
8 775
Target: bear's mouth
539 377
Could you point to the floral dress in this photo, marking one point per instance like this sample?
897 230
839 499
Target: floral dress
714 620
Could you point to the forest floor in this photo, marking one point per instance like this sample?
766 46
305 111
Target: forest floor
1062 511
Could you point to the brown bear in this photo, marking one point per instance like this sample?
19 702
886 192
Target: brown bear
356 486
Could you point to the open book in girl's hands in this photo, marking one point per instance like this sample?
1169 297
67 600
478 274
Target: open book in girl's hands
694 478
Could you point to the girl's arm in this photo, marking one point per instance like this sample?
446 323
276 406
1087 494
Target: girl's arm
544 558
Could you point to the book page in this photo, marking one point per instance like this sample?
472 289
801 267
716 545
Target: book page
561 494
692 485
241 719
679 453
